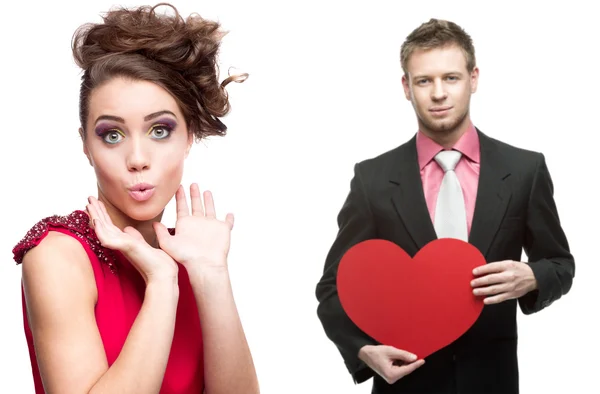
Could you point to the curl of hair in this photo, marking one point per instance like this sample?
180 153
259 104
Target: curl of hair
178 54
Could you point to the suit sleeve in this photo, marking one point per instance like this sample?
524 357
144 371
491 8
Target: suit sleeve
546 245
355 224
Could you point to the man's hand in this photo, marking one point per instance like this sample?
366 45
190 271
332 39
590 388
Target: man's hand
388 362
503 280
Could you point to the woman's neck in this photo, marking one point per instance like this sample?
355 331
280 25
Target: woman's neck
121 220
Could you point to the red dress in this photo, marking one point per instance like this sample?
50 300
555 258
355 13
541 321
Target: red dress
120 296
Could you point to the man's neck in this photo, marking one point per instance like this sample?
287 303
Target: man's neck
449 138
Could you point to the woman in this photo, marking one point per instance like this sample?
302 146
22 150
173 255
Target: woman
113 300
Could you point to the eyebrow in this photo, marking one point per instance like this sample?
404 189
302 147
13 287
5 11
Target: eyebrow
146 118
445 74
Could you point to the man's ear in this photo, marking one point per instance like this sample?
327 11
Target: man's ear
406 86
474 79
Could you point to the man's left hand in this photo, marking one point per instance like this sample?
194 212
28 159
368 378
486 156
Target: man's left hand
503 280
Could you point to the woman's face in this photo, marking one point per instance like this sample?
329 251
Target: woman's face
137 142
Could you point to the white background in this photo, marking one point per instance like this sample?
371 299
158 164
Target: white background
324 92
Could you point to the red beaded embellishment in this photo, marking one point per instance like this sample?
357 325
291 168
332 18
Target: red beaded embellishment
78 224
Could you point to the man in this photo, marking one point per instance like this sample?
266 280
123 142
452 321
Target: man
451 180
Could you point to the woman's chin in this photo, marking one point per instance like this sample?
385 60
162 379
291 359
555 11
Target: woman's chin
143 212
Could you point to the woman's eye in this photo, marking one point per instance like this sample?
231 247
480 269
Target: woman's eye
112 137
160 132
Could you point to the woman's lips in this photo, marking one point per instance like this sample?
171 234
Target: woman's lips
141 191
141 195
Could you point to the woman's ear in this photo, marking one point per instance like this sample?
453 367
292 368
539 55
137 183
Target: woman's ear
85 149
189 144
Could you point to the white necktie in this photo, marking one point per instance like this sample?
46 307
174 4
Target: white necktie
450 214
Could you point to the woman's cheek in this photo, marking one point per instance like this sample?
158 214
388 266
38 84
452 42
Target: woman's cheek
107 175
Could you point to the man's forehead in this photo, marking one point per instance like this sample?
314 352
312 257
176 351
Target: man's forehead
437 61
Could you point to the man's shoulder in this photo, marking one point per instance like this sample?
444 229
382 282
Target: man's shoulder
386 159
516 155
512 148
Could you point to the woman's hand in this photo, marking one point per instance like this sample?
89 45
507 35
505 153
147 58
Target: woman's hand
151 263
200 238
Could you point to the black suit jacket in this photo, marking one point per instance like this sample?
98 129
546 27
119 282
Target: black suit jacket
514 210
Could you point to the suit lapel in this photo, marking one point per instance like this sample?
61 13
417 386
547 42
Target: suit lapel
408 197
492 199
493 195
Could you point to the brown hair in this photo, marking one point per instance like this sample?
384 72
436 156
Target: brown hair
437 33
176 54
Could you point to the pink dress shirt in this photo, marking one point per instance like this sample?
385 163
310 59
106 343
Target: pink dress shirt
467 170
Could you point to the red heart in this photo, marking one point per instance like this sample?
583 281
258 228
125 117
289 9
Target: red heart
419 305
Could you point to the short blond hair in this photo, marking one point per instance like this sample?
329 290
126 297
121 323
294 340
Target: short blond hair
437 33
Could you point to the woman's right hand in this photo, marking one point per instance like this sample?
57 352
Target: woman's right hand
152 264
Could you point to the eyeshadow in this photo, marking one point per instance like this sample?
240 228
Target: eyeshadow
101 129
170 123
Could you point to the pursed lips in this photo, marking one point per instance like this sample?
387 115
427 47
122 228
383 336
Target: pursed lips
141 191
141 187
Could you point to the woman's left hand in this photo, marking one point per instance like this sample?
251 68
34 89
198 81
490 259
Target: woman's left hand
200 238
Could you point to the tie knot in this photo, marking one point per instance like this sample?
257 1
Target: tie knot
448 159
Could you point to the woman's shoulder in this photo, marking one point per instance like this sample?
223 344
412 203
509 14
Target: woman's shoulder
75 224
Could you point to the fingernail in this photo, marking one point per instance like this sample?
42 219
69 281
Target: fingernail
413 357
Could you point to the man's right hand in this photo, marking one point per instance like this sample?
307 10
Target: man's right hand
388 362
